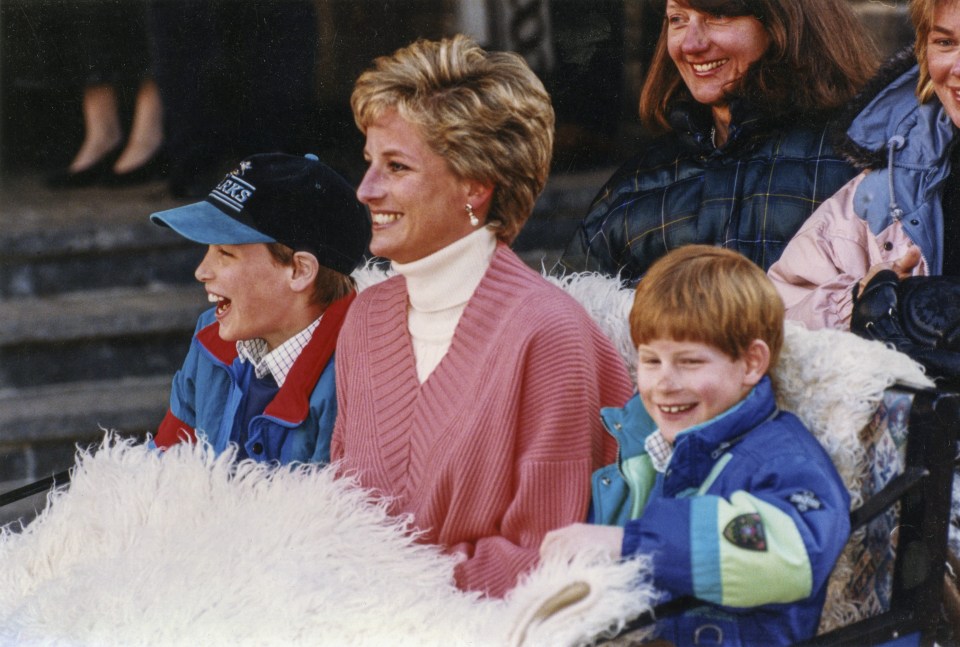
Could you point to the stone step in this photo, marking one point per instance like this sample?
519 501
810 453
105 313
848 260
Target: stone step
80 411
90 238
96 334
42 427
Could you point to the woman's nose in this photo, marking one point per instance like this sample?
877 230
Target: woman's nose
695 37
369 188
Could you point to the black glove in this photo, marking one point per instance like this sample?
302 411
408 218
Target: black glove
877 314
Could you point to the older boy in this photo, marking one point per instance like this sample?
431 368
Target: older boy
735 501
284 233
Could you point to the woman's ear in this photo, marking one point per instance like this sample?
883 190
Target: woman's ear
304 270
479 195
757 360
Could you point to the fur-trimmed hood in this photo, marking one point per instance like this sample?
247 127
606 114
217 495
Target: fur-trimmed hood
886 107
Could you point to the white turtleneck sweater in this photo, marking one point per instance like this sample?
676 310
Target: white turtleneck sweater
438 288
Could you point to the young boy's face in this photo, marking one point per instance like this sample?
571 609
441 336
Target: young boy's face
685 383
252 293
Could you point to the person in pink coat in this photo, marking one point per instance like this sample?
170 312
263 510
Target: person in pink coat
901 215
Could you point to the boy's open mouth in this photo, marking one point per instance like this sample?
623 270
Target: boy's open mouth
223 303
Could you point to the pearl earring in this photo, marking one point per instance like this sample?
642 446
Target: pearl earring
474 221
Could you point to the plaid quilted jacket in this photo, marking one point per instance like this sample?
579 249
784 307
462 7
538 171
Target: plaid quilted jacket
750 195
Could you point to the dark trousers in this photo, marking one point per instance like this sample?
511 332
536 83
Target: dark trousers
236 78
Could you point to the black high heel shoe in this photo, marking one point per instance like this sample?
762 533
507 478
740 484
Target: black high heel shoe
152 169
65 179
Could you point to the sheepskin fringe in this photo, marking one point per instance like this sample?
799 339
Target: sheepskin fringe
371 273
613 592
188 548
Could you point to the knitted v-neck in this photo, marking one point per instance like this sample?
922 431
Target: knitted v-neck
447 390
439 287
497 446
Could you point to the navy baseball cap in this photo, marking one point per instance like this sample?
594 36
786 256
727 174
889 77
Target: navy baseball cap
297 201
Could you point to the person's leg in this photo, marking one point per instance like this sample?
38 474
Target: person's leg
186 38
279 55
102 132
146 131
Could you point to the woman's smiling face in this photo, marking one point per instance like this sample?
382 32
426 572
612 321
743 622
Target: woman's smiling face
417 204
712 52
943 57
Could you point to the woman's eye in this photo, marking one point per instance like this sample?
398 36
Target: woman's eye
396 166
718 19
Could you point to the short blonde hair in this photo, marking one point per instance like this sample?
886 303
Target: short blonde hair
709 295
486 113
921 14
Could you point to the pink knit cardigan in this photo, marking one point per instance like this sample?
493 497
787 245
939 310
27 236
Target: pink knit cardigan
498 445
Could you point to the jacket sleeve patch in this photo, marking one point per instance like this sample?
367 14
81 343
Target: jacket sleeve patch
805 500
746 531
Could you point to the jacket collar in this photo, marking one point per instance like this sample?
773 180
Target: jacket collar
291 404
887 107
693 124
222 351
630 425
697 449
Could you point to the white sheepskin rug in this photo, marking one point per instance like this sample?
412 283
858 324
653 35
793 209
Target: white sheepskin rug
187 548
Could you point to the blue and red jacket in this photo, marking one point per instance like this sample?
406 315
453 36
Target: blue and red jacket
295 426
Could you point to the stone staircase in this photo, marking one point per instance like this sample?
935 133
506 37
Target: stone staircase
96 309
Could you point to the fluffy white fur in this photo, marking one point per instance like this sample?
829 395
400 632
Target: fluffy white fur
189 548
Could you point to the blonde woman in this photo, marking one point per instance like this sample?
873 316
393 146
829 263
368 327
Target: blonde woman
469 388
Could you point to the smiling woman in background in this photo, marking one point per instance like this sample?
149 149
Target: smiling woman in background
469 388
740 92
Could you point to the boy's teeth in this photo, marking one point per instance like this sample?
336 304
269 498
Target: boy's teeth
676 408
213 298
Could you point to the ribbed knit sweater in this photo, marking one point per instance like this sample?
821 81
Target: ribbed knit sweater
497 446
438 289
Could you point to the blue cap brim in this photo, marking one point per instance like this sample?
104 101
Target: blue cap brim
202 222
